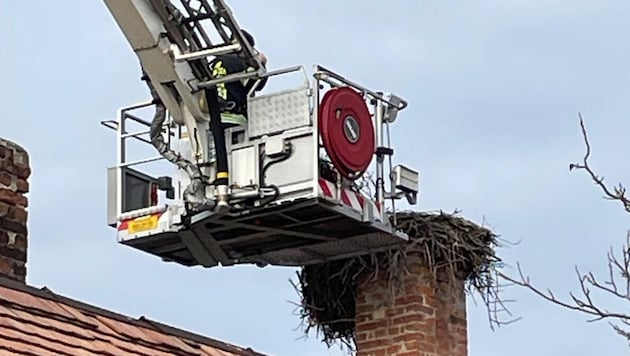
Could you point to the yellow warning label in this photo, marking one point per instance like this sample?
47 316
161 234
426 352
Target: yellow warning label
143 224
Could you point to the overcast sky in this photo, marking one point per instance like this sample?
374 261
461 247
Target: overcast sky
494 91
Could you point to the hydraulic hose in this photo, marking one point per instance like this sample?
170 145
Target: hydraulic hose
218 133
155 134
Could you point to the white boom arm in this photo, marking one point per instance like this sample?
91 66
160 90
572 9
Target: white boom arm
174 81
168 53
174 52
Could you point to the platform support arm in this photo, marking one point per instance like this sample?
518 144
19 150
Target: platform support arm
204 248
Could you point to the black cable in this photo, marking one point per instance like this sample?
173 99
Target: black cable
269 164
272 198
262 183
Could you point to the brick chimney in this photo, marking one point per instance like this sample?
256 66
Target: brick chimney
14 172
427 317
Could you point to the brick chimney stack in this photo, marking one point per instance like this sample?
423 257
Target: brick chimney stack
14 174
426 318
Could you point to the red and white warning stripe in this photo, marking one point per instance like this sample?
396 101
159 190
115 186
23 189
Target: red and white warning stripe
349 198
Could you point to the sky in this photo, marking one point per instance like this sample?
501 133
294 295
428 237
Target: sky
494 89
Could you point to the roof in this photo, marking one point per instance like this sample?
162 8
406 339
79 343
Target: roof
39 322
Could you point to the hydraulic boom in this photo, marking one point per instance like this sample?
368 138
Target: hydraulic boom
291 186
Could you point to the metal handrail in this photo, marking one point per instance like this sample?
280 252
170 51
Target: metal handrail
113 125
286 70
182 57
324 74
122 134
259 74
137 119
141 161
110 124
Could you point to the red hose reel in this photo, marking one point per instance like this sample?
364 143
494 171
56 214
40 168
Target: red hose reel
345 125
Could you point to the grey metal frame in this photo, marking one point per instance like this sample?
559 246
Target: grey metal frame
302 208
322 74
120 126
201 239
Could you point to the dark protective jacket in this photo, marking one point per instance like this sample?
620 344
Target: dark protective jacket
235 91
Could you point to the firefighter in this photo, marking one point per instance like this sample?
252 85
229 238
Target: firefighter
233 95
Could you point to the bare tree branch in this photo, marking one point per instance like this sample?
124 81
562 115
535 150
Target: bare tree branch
618 283
618 192
584 304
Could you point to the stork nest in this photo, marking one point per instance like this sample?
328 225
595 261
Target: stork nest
446 242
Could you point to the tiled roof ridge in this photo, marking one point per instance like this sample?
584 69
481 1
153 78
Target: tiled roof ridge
142 322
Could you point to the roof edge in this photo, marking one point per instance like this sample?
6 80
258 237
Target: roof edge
144 322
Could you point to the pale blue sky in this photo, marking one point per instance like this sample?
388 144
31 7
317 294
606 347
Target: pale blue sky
494 90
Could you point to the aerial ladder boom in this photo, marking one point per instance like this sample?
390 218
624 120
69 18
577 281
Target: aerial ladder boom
174 50
291 187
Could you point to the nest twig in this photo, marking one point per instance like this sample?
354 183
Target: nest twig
446 242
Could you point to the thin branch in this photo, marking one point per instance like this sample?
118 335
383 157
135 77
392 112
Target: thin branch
618 192
585 304
618 271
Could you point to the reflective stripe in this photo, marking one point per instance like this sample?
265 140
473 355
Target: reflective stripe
219 71
230 118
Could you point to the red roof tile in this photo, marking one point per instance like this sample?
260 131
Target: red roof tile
39 322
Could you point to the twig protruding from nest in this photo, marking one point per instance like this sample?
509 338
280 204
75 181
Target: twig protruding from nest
446 242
